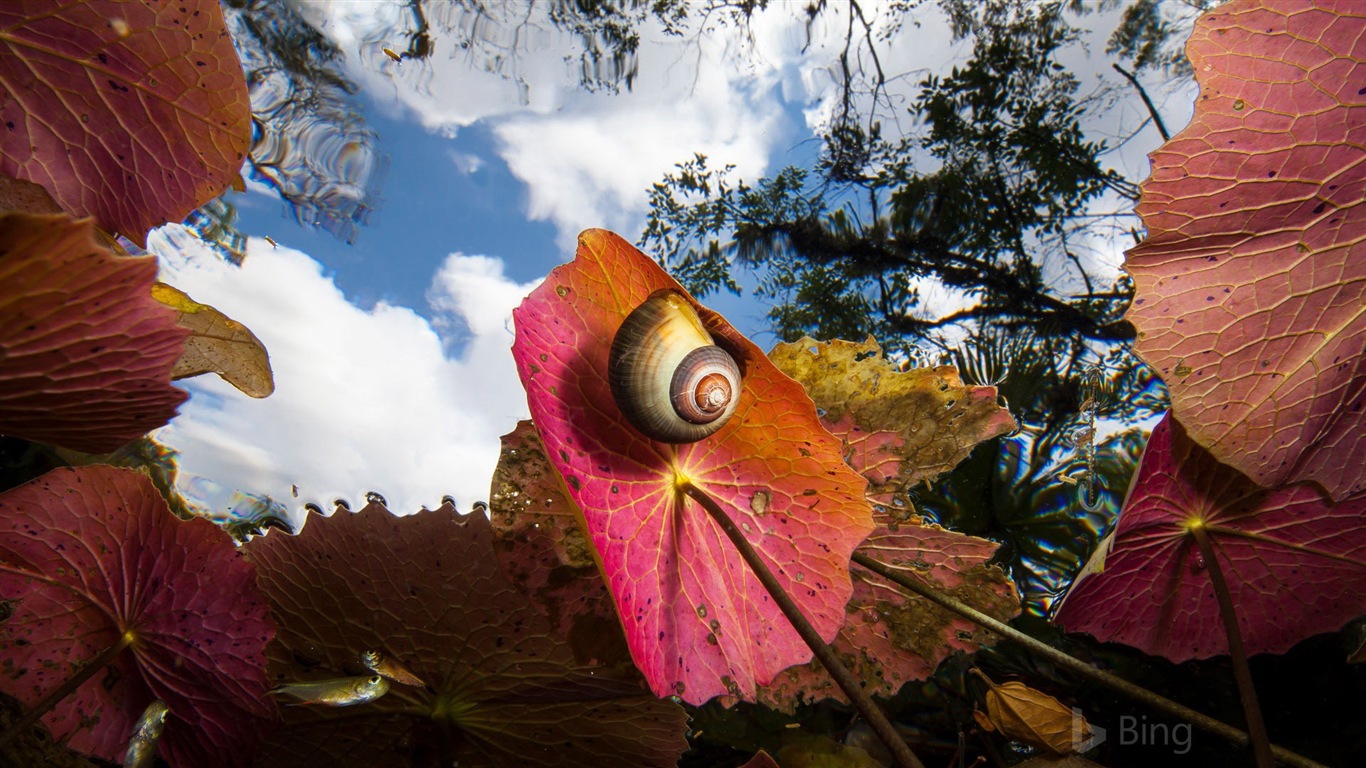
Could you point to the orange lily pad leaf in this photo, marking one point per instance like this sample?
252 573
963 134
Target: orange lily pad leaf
87 353
697 621
135 113
1024 714
1250 284
1295 563
900 428
545 551
891 638
217 344
426 591
92 555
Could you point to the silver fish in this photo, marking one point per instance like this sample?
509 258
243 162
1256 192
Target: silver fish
143 745
338 692
383 665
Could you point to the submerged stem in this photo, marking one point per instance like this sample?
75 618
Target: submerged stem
1261 745
860 698
89 670
1100 677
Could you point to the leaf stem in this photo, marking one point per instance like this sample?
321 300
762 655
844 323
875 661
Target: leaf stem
860 698
1100 677
89 670
1242 673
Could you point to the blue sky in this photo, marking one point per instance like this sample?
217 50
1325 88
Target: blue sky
391 355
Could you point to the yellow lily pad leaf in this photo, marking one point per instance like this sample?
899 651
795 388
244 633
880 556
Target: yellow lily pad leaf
907 426
1023 714
217 344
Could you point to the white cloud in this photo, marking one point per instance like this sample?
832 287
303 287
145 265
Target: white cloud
365 400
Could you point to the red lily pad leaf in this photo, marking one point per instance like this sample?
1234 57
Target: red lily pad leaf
891 638
1294 562
900 428
425 590
92 555
217 344
133 112
1251 282
697 620
87 352
546 554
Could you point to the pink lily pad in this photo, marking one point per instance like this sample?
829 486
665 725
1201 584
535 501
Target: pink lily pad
426 591
1251 282
1294 561
92 554
87 353
697 620
135 113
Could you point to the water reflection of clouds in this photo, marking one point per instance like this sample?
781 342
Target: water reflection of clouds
365 400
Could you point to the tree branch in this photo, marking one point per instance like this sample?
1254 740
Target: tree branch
1152 110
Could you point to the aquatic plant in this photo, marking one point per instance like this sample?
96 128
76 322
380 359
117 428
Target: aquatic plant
113 603
710 570
426 591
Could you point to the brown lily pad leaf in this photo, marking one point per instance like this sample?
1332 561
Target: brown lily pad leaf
426 591
217 344
907 426
25 197
546 554
1250 285
91 560
87 354
1032 717
890 638
761 759
133 112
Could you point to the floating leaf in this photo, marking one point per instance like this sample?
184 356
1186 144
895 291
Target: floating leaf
545 552
425 591
761 760
1251 282
1294 562
91 555
87 353
907 426
1033 717
25 197
217 344
899 428
697 620
891 638
133 112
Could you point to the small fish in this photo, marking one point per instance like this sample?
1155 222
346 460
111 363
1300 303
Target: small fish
338 692
392 54
143 745
383 665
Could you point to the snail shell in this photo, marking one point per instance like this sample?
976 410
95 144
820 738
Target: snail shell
667 376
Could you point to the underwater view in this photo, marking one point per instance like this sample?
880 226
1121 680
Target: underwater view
697 383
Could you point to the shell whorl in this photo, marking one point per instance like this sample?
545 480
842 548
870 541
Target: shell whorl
667 376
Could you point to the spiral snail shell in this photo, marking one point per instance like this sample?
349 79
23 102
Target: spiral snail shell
669 379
